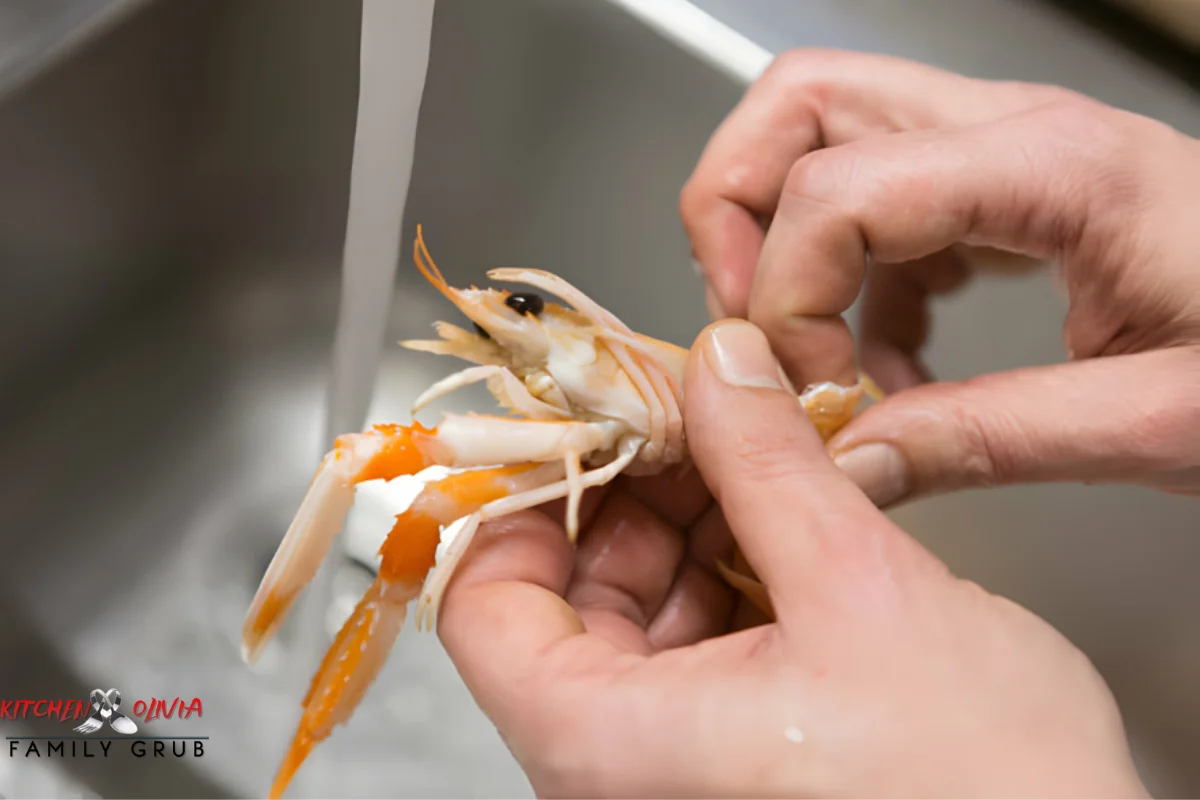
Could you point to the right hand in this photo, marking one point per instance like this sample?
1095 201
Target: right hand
831 156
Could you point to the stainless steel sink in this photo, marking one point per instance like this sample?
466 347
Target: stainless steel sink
166 401
171 218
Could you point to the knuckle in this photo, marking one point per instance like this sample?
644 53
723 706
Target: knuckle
814 175
800 82
1108 140
1068 118
983 461
792 62
1166 429
1090 133
807 172
799 63
1101 165
848 182
1038 95
1069 102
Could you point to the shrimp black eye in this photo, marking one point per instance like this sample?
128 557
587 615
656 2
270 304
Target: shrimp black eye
526 303
479 329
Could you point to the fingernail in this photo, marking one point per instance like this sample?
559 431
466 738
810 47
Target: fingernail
715 311
738 354
879 470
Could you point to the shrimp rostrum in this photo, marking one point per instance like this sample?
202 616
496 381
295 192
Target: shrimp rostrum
589 399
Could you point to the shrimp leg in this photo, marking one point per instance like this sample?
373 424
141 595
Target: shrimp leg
574 494
439 577
410 566
741 577
362 645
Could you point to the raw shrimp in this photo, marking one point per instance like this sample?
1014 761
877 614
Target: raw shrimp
590 399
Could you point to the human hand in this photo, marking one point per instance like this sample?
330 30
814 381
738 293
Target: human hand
619 669
848 155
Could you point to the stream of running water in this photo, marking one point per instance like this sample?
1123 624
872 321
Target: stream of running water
393 60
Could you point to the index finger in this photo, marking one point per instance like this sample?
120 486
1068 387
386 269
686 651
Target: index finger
806 100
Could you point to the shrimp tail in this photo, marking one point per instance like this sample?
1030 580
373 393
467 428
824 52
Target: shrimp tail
362 645
350 667
385 451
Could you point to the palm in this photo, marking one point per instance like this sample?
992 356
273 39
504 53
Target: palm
644 576
636 606
642 581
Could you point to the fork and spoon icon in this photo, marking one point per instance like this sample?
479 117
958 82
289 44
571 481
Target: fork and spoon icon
105 707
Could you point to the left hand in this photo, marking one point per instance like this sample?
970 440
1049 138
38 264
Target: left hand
622 668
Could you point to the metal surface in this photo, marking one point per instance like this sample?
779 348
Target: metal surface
1178 17
35 33
173 214
154 462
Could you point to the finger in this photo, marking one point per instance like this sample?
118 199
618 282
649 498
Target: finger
798 520
748 615
624 568
677 495
1117 419
1025 183
699 603
697 608
809 99
504 612
895 316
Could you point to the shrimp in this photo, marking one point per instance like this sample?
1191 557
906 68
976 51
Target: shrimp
589 399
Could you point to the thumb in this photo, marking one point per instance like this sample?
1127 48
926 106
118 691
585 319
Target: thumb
796 517
1120 419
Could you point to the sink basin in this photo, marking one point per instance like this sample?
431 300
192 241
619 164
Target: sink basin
164 453
180 189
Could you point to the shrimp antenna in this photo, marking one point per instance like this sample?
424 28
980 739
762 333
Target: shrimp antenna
425 264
